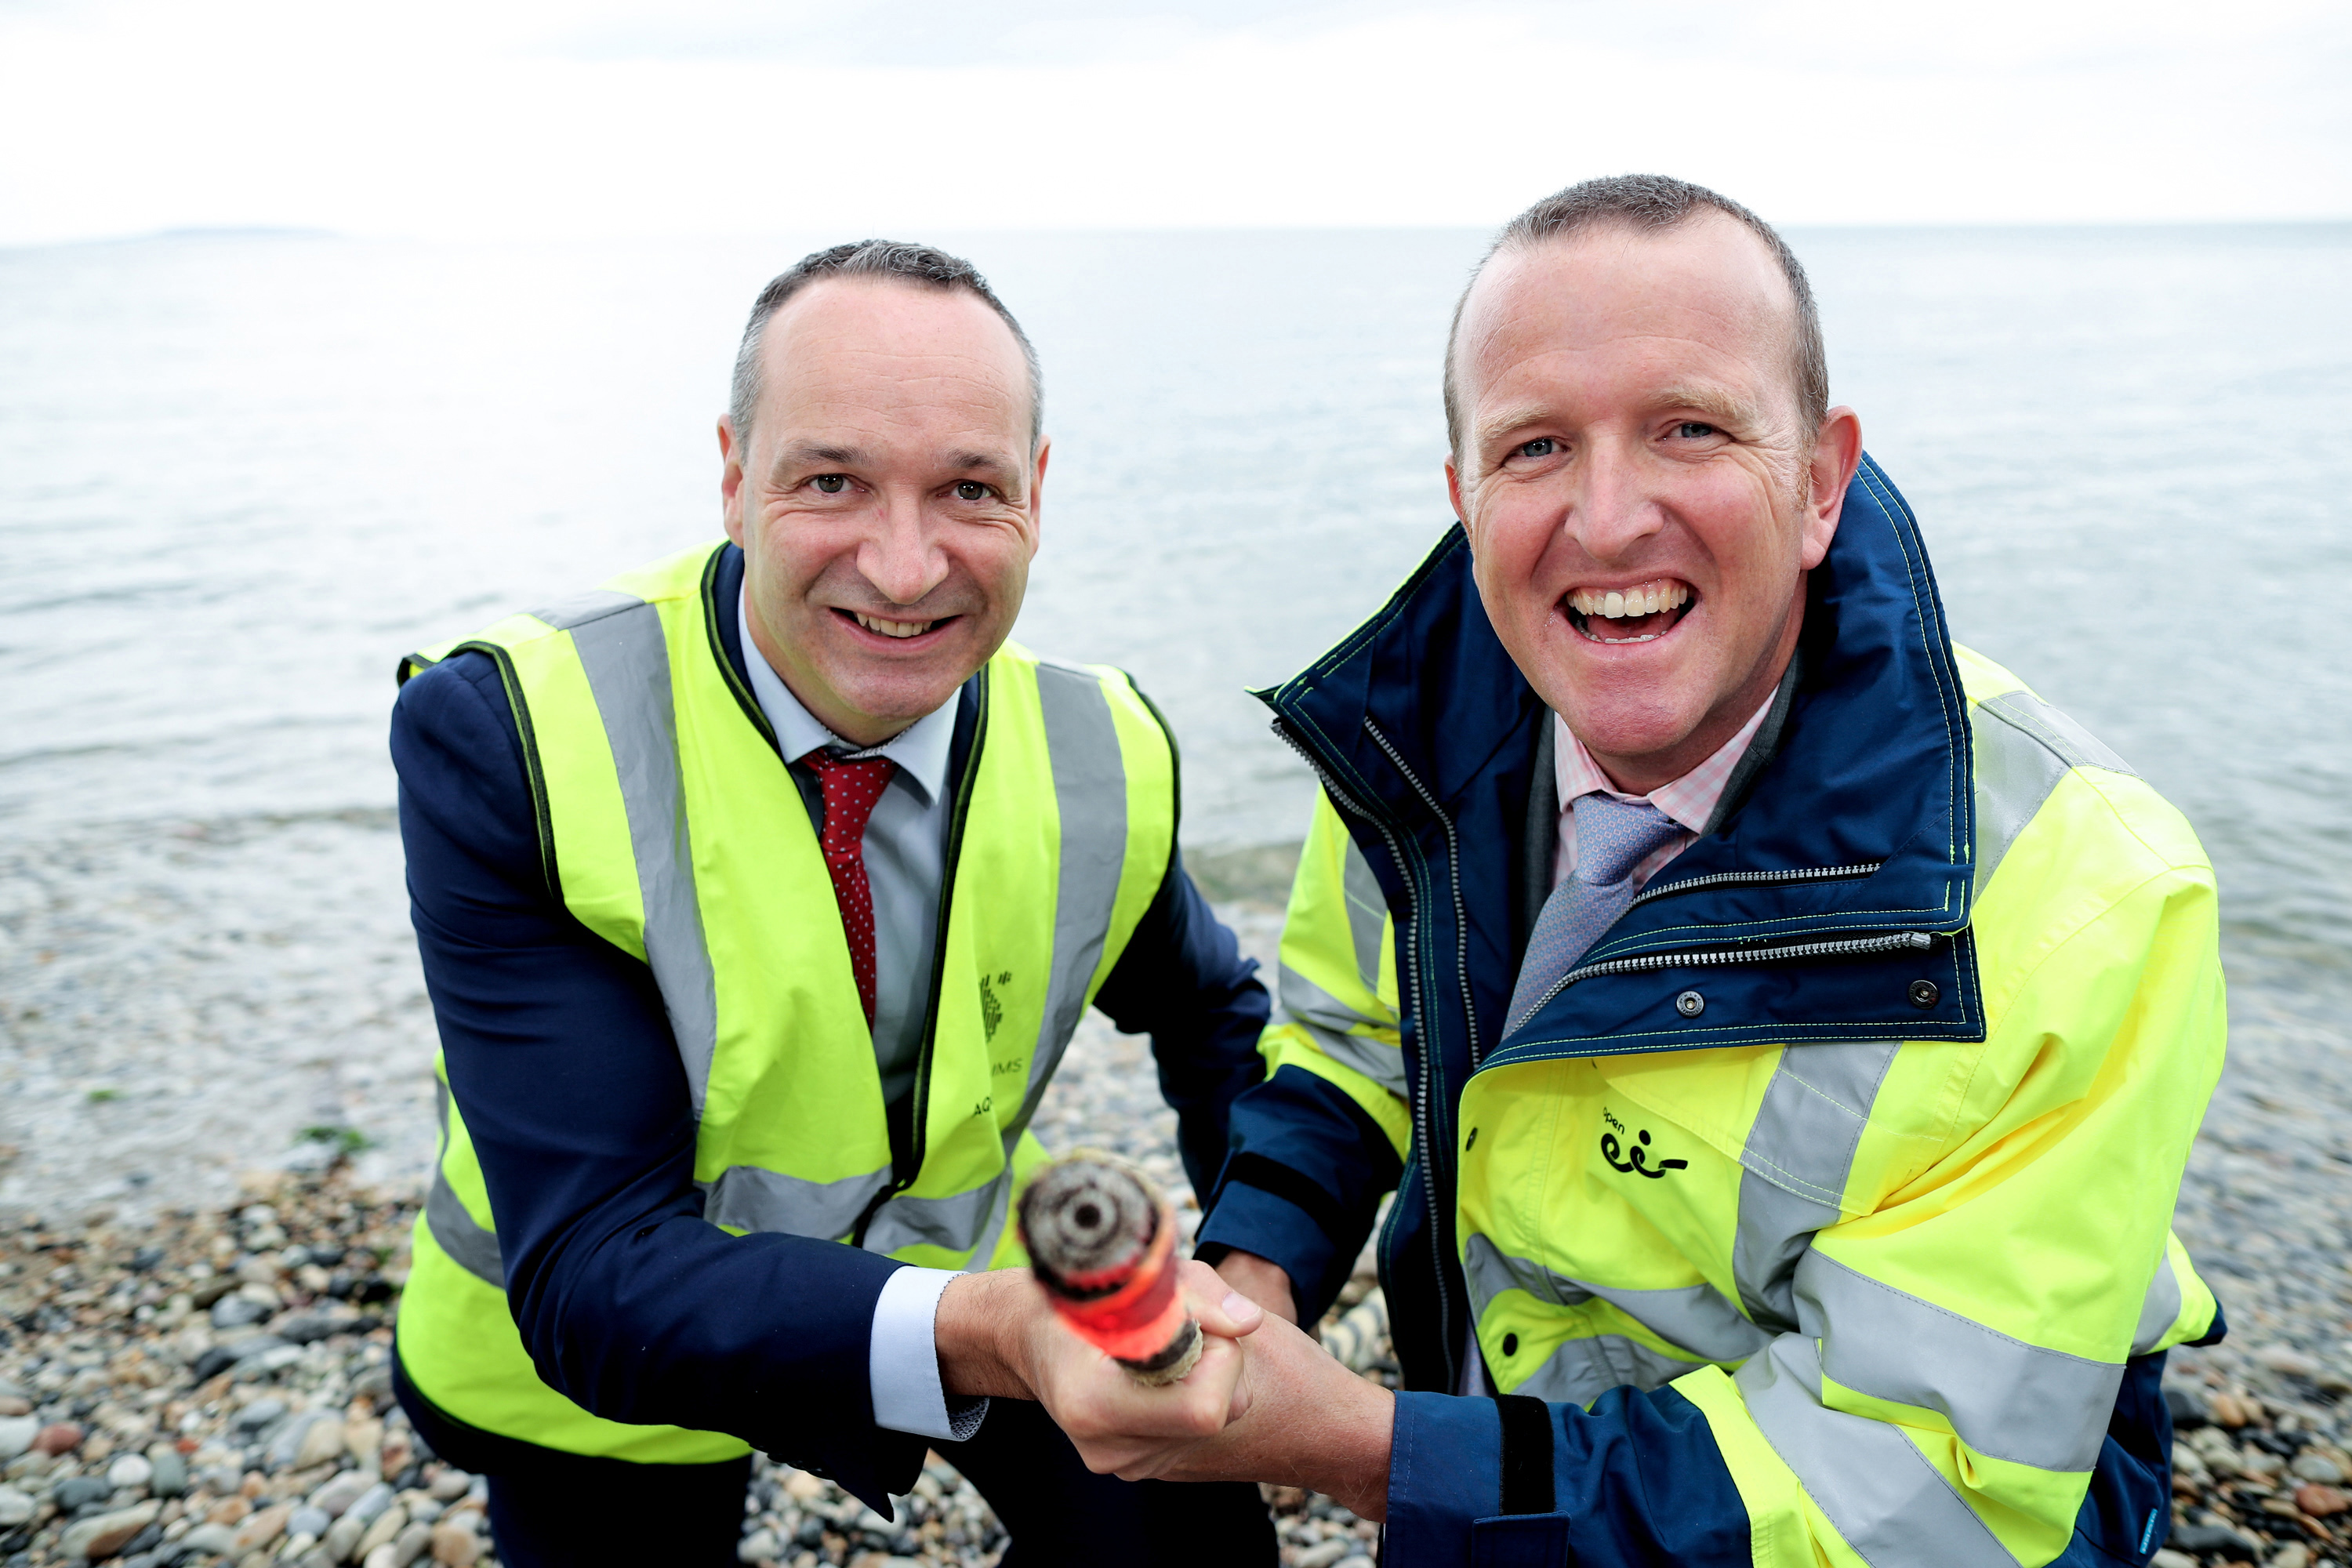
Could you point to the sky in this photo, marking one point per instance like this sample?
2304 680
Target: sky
667 118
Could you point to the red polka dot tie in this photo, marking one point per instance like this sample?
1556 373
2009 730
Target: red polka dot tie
851 788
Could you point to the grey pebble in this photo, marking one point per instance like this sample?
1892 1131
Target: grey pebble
2318 1468
213 1538
15 1507
287 1441
80 1491
311 1522
16 1435
171 1477
338 1493
369 1504
237 1312
259 1415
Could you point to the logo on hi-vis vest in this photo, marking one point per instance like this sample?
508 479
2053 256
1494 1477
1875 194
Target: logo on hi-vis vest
1638 1158
992 1011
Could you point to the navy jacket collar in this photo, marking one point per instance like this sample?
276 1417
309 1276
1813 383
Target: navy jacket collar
1859 828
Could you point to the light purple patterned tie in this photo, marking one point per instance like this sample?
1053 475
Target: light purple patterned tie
1612 836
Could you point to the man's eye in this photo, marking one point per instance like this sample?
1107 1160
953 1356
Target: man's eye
831 484
1541 447
1692 430
972 489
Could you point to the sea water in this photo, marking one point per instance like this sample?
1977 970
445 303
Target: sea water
241 474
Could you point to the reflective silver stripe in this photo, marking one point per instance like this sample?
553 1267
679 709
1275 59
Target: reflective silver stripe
748 1197
470 1246
1367 914
1580 1370
954 1223
2160 1308
2020 755
1328 1019
1090 797
1698 1318
2004 1397
1890 1504
626 659
1798 1156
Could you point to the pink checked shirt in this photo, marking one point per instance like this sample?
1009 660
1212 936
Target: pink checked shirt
1689 800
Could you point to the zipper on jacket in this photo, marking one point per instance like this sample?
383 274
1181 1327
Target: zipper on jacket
1408 937
1854 872
1704 957
903 1172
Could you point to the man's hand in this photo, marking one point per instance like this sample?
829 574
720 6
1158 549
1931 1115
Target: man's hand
997 1336
1267 1284
1311 1423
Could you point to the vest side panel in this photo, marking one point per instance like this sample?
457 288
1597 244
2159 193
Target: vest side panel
458 1343
1150 755
593 862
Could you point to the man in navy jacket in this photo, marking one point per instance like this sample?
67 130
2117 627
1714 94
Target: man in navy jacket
561 1054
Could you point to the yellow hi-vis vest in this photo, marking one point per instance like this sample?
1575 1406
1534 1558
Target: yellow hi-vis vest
1901 1279
675 832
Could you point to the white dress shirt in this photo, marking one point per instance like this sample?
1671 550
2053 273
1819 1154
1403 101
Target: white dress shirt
905 848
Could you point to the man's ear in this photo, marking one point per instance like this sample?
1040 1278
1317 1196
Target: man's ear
1453 493
1837 453
730 480
1037 493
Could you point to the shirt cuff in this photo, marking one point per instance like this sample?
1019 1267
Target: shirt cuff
902 1361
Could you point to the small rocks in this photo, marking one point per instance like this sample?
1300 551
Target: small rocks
2229 1411
107 1533
2204 1538
2321 1501
170 1477
455 1545
264 1527
16 1435
76 1492
449 1486
2313 1465
61 1438
336 1495
215 1538
131 1470
308 1520
15 1507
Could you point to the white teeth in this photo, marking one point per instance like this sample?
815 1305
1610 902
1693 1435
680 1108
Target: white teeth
893 628
1641 599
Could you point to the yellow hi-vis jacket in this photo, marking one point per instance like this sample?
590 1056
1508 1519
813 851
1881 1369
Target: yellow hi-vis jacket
674 832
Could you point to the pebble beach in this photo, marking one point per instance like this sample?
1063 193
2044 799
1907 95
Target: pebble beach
199 1270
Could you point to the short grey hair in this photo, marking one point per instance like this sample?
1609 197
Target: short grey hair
922 265
1649 203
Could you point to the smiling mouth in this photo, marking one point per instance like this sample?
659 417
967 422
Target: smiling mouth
902 630
1642 612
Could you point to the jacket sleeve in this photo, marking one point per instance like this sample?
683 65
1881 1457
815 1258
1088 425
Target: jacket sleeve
564 1070
1184 981
1988 1301
1322 1140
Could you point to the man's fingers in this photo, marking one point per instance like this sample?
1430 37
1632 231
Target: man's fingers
1222 1310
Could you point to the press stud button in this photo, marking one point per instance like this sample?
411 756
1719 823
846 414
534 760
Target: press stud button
1924 994
1510 1344
1690 1004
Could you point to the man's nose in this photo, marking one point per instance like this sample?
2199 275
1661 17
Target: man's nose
1615 506
899 557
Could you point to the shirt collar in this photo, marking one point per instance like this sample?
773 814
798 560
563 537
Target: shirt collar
921 749
1690 800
